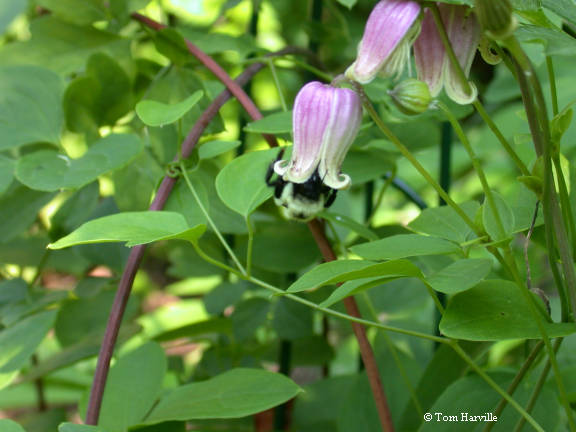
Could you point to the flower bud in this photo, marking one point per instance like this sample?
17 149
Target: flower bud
385 45
496 17
411 96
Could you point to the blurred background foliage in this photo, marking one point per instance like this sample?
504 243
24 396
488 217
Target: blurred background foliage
71 74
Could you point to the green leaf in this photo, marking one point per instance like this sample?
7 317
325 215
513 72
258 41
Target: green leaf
298 249
20 207
555 41
327 273
248 316
241 184
348 3
445 223
443 369
236 393
460 275
74 11
474 397
79 319
50 171
134 228
170 43
495 310
30 106
491 224
99 97
133 385
293 320
71 427
368 164
7 425
75 211
563 8
182 201
212 149
10 9
155 113
62 47
404 245
345 270
276 123
351 224
6 173
19 342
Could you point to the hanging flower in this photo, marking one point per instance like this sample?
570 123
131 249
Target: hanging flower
385 45
326 120
432 62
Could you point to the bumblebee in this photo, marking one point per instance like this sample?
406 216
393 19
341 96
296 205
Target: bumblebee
300 201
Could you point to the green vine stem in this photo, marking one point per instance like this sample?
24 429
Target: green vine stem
515 383
541 134
537 388
410 157
539 127
496 387
464 80
552 79
210 221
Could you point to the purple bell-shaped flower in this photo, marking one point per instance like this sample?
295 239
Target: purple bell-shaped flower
326 120
385 46
432 62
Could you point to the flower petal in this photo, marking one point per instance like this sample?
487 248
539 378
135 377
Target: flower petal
388 24
311 118
464 33
429 55
345 120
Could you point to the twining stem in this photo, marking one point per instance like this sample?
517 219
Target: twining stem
488 120
537 388
477 167
136 254
536 106
250 245
344 316
394 351
496 387
540 130
423 172
515 383
467 88
314 226
552 79
278 85
209 219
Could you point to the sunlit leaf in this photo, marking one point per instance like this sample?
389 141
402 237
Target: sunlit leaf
134 228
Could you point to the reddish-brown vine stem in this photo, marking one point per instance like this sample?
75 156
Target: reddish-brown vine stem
233 88
137 252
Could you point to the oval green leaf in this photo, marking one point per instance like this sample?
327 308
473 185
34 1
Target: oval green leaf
460 275
133 385
154 113
134 228
276 123
19 342
495 310
241 184
236 393
404 245
30 106
48 170
347 270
